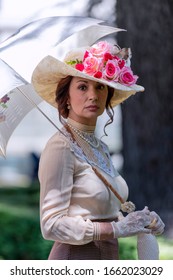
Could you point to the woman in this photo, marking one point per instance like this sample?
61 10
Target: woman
82 194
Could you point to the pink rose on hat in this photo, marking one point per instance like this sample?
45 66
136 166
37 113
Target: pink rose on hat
126 76
112 70
100 48
103 61
91 65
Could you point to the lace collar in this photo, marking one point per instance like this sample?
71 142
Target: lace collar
100 155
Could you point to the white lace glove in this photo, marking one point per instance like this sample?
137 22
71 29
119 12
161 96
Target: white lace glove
157 226
134 223
147 245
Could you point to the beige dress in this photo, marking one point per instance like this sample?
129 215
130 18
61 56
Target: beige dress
72 196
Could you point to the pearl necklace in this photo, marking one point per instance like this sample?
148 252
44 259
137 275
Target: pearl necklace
90 142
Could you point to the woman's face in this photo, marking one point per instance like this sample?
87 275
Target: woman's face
87 100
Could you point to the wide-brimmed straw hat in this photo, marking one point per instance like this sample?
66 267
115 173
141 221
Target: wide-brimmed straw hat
103 62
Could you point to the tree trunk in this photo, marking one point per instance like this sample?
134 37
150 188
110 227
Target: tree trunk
148 117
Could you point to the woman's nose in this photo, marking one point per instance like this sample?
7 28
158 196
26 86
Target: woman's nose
93 98
93 95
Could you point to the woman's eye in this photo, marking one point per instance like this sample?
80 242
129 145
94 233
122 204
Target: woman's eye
82 87
101 87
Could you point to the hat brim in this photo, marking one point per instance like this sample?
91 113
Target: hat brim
50 71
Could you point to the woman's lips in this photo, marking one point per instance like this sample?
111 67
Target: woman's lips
92 108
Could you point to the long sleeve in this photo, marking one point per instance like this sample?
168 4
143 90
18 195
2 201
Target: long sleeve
56 172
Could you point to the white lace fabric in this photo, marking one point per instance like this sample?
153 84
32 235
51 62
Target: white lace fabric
134 223
97 156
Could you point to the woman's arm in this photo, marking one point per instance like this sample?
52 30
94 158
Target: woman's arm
56 170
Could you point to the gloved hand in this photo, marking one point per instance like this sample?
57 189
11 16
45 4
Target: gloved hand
134 223
157 226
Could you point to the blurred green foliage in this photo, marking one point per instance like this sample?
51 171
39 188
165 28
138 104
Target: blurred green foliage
20 235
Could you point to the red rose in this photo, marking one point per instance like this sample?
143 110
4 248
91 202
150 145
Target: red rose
121 63
116 57
86 55
107 56
98 74
79 66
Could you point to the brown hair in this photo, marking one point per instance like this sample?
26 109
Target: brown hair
62 96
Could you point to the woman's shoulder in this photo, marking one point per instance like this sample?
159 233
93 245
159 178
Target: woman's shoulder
57 141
